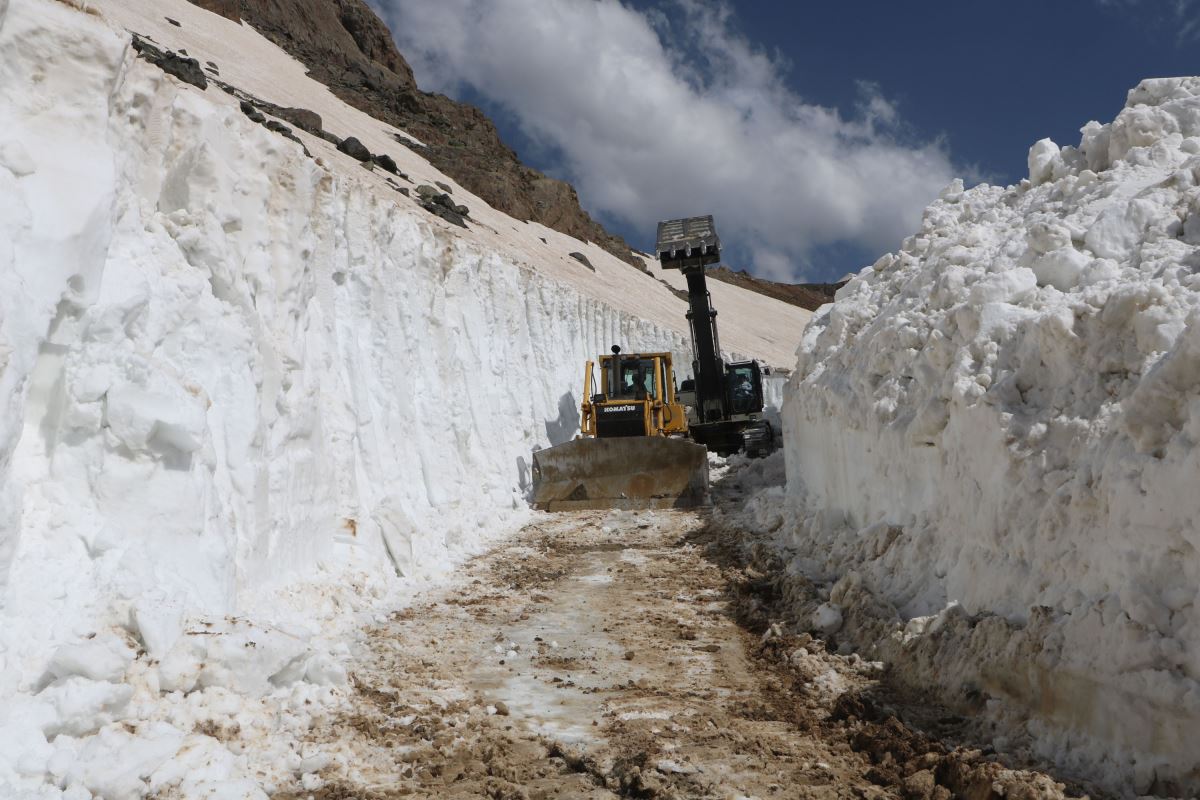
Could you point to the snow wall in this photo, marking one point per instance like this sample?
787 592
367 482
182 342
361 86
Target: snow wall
226 369
992 437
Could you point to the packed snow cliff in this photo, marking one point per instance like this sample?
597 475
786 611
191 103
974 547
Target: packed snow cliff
992 443
251 390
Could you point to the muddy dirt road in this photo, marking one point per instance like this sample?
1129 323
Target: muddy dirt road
625 654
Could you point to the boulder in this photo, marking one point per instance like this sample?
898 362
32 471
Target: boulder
253 113
185 69
386 162
302 118
355 149
441 205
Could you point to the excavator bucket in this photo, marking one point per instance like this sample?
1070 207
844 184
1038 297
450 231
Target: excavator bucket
624 473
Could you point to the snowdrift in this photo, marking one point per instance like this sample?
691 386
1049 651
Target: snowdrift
992 438
247 393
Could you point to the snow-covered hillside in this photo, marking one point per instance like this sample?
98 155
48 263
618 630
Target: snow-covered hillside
244 389
998 425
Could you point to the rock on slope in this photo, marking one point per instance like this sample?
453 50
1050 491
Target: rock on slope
348 48
998 425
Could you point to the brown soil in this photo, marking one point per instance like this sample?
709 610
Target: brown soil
599 655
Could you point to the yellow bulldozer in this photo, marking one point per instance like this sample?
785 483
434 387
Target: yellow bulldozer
631 452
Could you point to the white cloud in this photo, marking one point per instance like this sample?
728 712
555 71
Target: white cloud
1181 16
648 132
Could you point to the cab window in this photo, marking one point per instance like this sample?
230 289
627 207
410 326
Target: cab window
637 379
741 390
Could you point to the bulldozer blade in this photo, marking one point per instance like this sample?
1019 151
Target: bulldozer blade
621 473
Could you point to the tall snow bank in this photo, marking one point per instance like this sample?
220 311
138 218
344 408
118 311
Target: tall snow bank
998 424
227 370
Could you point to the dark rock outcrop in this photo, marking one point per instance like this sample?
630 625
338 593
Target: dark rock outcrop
302 118
387 163
253 108
441 205
253 113
348 48
186 69
407 142
582 259
355 149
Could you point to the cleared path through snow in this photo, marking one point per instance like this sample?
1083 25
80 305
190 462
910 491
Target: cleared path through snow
621 655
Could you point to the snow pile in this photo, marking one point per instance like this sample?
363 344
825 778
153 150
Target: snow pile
243 391
993 435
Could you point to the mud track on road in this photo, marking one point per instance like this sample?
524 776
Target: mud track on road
599 655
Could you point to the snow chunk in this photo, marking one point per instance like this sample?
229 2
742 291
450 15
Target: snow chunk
1042 158
159 622
1060 268
140 418
16 159
239 655
116 763
84 706
1003 287
104 657
827 618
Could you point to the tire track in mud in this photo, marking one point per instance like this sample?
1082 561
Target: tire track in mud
599 655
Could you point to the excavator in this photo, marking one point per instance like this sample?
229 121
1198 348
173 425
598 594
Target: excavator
644 442
725 400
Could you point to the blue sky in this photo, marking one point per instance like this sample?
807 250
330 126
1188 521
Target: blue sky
991 77
814 131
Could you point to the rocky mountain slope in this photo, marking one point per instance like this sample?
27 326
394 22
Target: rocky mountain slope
345 46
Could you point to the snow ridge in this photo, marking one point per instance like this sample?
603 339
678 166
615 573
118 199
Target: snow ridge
1001 419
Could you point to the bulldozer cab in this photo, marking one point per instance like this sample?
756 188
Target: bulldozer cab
634 396
636 378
